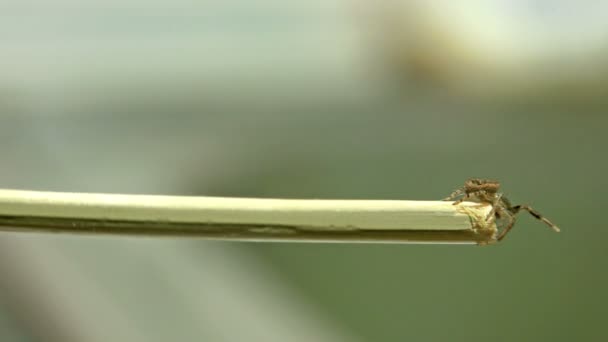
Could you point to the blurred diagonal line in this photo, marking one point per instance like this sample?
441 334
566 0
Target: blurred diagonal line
57 302
240 298
79 289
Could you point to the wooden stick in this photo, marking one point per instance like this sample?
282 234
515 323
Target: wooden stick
247 218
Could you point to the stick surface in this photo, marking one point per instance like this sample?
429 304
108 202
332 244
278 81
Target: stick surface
247 218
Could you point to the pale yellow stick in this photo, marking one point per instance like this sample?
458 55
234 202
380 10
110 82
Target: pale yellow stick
247 218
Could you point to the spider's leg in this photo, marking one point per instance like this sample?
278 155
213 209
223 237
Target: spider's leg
534 213
495 204
464 198
511 218
454 194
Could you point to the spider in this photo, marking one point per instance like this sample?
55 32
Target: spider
486 191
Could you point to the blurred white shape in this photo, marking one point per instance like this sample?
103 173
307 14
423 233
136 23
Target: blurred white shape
494 45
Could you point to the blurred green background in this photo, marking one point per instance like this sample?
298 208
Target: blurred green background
264 99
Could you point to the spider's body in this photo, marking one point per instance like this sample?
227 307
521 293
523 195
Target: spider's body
486 191
477 190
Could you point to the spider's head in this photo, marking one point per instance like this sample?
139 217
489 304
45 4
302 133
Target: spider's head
479 184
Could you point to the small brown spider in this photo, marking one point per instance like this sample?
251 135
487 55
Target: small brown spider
486 191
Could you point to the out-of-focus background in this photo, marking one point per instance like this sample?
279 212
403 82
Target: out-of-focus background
307 99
